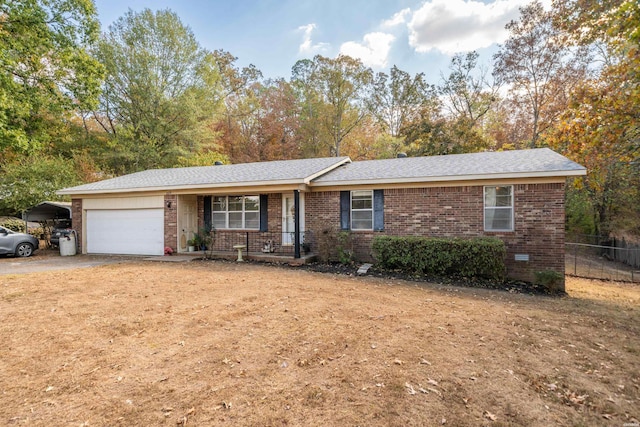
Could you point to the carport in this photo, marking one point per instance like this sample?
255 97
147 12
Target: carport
48 211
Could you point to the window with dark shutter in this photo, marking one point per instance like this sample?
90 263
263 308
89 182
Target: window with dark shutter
362 210
264 213
345 210
378 210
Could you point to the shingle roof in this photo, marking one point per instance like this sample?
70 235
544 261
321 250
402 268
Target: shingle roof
518 163
275 172
332 171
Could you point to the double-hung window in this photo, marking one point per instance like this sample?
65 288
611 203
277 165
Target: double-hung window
498 208
236 212
362 210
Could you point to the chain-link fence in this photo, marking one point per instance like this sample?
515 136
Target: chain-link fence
597 258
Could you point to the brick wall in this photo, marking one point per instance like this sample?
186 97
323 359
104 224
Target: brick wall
76 220
171 222
226 239
458 212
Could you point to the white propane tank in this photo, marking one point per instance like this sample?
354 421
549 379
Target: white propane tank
68 245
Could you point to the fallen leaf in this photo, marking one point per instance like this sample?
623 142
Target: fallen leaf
435 391
490 416
410 388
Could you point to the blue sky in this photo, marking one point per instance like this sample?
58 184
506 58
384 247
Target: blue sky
415 35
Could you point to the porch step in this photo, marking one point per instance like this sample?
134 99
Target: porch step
364 268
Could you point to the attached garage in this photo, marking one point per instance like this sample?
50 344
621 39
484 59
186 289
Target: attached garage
123 226
125 231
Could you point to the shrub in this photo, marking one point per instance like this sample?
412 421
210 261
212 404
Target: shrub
344 247
13 224
550 279
477 257
334 246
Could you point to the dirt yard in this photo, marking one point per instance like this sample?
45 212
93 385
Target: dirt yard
214 343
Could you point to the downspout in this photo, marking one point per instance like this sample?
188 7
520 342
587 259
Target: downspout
296 223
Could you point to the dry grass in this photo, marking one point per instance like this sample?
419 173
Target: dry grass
211 343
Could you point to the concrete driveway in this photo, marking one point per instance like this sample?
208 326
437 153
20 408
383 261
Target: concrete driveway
43 261
50 260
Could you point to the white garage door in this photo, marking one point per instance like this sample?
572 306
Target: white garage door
125 231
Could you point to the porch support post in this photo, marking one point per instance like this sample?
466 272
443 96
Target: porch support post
296 223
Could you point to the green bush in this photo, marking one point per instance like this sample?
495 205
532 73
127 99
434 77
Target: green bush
344 247
477 257
334 246
13 224
550 279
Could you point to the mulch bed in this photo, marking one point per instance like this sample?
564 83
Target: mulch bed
509 285
514 286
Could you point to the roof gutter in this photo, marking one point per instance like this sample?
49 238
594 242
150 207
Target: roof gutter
257 184
446 178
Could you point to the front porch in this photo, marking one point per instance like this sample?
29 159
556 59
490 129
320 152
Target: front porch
276 247
270 226
232 255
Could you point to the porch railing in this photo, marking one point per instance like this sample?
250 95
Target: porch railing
274 243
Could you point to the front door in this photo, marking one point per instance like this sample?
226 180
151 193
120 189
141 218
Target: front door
288 219
187 220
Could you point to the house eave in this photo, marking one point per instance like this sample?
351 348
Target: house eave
198 188
448 178
310 178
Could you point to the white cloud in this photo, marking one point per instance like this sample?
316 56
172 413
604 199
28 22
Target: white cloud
452 26
398 18
307 47
374 50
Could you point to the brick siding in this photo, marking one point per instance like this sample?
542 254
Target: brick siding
226 239
76 220
171 222
438 212
458 212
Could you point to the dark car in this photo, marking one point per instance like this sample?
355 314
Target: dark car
61 229
18 244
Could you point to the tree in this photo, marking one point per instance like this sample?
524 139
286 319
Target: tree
398 99
46 72
33 180
279 122
343 86
313 141
539 66
600 128
436 136
468 93
161 90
